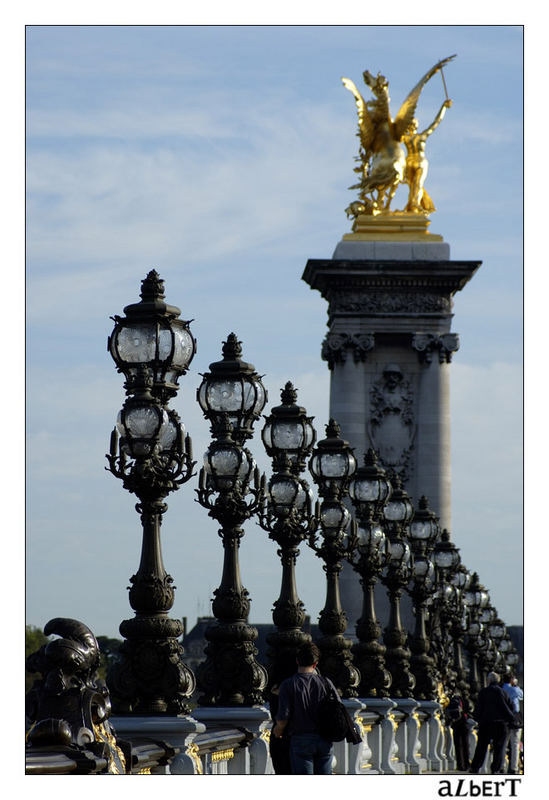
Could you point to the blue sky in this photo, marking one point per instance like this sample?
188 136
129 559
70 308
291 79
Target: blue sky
222 156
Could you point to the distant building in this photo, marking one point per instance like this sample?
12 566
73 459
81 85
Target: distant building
194 642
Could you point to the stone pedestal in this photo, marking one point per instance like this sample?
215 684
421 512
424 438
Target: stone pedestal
389 348
431 735
407 737
177 731
255 719
382 739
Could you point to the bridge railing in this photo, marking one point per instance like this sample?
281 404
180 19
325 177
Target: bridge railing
211 753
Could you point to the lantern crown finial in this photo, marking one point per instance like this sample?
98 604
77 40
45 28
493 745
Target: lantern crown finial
232 348
288 395
152 287
333 429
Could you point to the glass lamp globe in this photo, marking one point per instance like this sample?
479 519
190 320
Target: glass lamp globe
371 538
497 629
285 494
399 552
142 425
334 519
476 629
225 464
423 569
444 559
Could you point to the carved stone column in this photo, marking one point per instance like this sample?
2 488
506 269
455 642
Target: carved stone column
388 347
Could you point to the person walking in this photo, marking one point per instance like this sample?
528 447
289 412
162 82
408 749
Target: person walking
298 700
458 720
493 714
515 695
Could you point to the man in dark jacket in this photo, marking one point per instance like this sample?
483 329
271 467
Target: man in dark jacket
493 714
298 702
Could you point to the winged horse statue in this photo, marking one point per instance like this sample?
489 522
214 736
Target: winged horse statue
383 162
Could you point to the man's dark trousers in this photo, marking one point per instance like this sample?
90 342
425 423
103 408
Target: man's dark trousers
495 732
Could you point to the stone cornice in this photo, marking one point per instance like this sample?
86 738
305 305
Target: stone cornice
441 277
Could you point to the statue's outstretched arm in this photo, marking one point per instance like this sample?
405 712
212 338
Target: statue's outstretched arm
407 110
438 119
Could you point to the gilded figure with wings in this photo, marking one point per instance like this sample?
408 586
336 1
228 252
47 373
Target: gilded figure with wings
383 162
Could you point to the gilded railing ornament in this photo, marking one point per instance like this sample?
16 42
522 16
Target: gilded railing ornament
383 163
192 752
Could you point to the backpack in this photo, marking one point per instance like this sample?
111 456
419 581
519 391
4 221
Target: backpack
454 710
333 721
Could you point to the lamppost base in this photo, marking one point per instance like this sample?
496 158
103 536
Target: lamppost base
150 678
230 675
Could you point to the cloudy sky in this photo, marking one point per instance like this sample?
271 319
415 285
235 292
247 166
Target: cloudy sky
221 156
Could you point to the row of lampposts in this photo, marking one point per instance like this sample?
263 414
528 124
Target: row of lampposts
384 540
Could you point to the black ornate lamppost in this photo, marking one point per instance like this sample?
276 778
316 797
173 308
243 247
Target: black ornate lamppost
424 531
397 514
503 647
369 490
475 598
498 631
332 465
460 581
232 397
512 659
152 456
488 654
287 516
451 576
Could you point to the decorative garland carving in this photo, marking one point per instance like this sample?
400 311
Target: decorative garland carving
372 302
391 426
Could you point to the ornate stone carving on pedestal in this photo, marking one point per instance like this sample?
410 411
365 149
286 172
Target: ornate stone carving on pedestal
336 346
427 344
391 425
375 302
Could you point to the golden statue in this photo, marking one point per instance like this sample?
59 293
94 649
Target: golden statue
383 163
417 165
